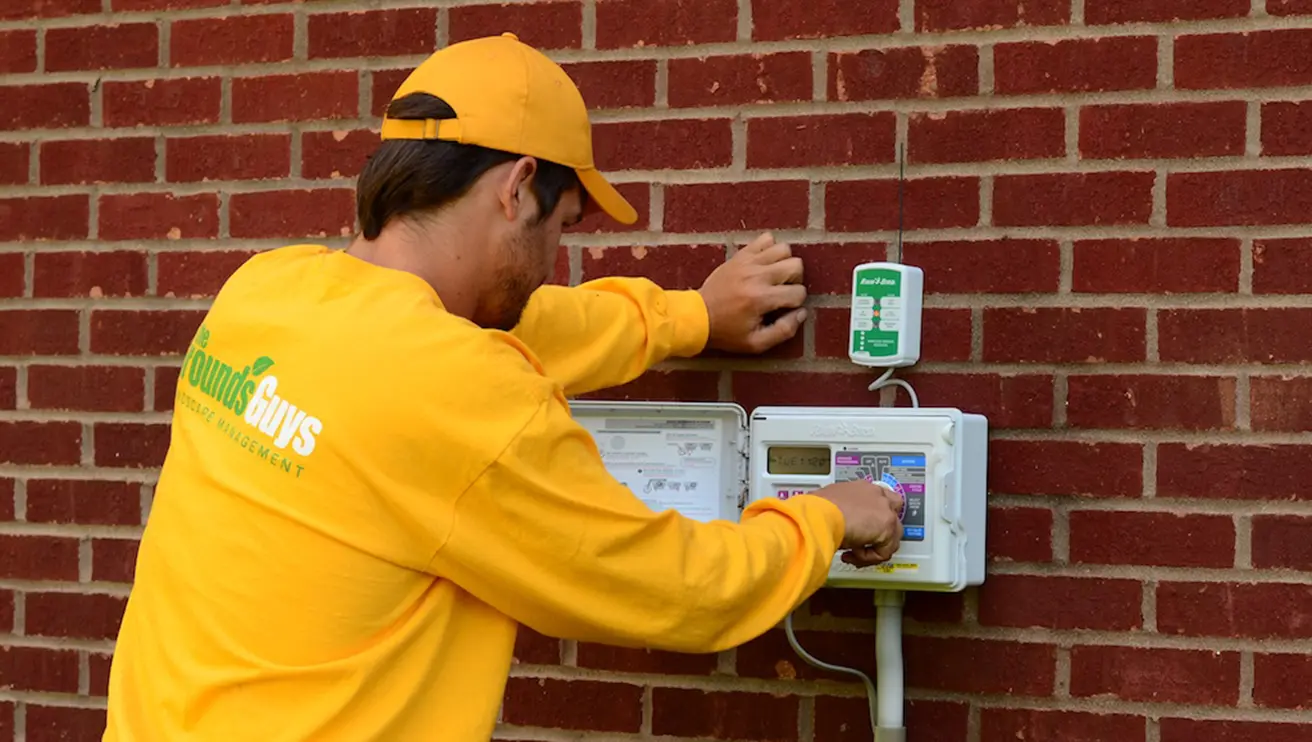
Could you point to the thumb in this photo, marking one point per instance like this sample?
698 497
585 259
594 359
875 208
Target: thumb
768 336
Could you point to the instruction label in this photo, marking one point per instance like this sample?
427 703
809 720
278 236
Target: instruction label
668 464
876 312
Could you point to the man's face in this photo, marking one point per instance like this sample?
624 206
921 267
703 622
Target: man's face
526 259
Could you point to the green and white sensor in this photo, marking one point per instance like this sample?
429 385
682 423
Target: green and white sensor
885 319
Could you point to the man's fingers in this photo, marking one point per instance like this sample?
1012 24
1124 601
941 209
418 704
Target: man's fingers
787 270
762 242
773 253
768 336
786 296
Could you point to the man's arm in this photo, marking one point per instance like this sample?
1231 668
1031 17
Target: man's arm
548 537
609 331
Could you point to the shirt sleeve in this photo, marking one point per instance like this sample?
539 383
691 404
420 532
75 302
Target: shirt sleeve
607 332
548 537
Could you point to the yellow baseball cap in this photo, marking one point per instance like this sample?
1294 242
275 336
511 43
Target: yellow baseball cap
512 97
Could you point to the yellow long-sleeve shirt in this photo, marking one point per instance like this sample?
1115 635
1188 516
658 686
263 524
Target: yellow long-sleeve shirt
365 495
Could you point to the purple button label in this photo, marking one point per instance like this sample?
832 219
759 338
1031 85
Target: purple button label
847 459
914 488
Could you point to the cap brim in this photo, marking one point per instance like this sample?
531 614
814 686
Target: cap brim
604 195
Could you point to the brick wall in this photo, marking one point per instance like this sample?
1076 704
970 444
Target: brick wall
1110 198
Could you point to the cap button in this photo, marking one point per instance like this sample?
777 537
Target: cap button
510 35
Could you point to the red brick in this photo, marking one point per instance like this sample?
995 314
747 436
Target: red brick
1023 401
929 203
53 105
1072 199
61 723
147 216
162 102
1064 335
197 274
805 141
1287 128
84 501
715 207
638 194
1282 542
131 444
921 607
12 280
666 386
671 266
100 666
336 154
1235 335
1163 539
1251 59
36 557
1065 468
1192 730
1239 198
7 720
544 25
1282 680
1234 472
1175 130
1026 601
1019 534
1075 65
129 160
114 560
239 157
615 84
15 163
848 720
622 659
1289 7
18 51
573 704
752 389
8 401
536 649
383 85
735 80
776 20
42 332
300 213
1151 402
39 669
166 387
235 39
985 135
91 388
1158 11
1165 265
47 8
1281 403
1252 610
950 15
142 333
1010 725
165 4
674 144
94 274
307 96
102 47
904 72
1155 675
1003 266
948 338
723 715
629 23
980 666
770 657
6 614
828 266
376 33
74 615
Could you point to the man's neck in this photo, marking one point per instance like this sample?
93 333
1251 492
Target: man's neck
433 254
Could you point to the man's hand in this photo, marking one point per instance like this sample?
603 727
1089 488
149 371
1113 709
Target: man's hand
871 513
759 279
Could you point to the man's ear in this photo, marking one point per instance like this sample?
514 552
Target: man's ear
514 192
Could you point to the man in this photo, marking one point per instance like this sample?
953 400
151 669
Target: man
374 477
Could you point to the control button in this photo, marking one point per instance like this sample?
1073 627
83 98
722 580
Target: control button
863 325
864 302
864 313
913 533
892 315
890 301
888 326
